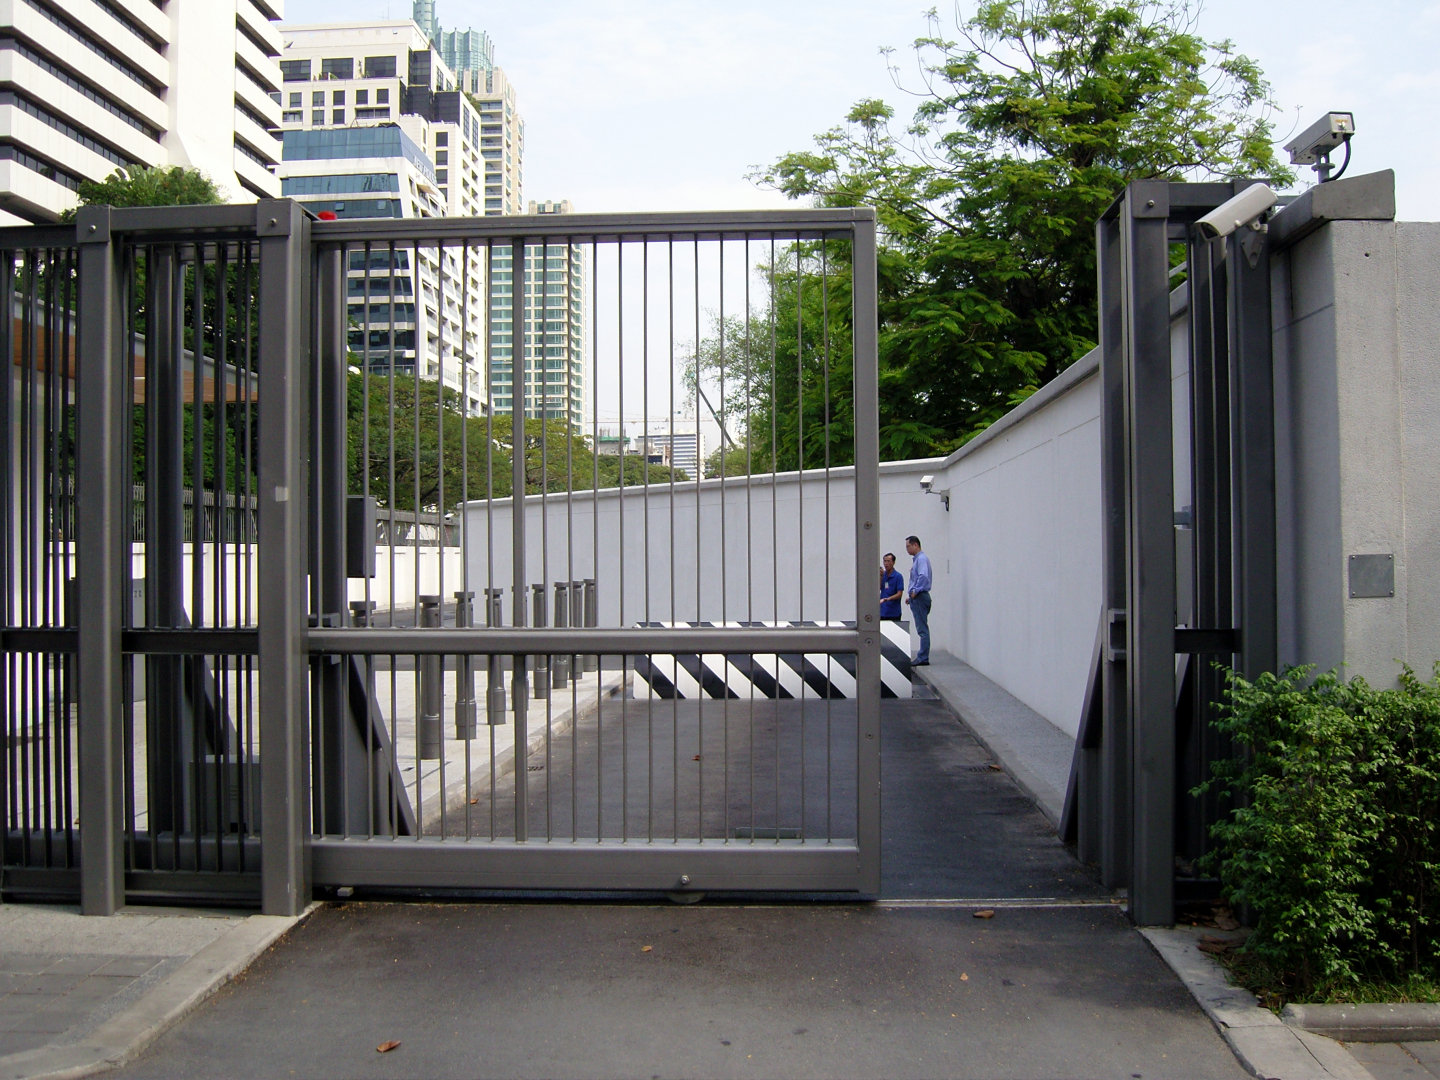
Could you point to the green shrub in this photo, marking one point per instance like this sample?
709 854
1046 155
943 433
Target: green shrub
1332 837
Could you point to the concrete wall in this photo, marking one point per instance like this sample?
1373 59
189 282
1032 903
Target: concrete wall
1023 592
1357 350
756 548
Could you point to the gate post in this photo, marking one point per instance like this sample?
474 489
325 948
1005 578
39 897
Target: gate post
1150 614
102 545
284 668
867 551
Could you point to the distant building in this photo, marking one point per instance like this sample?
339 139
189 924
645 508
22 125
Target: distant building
683 450
93 87
469 55
611 444
374 126
553 376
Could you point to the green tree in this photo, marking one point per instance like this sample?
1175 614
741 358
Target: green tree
139 185
472 459
1030 123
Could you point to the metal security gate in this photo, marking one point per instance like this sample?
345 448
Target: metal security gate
1189 551
291 602
489 682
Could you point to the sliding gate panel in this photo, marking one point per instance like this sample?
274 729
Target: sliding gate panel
551 452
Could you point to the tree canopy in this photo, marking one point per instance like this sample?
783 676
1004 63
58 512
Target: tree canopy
1030 121
139 185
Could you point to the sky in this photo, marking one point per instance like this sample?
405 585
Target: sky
668 104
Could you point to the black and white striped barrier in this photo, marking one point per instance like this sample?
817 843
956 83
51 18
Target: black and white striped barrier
772 675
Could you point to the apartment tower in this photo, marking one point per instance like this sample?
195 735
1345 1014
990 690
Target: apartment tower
91 86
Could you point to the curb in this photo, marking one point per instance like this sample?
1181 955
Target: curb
1404 1022
1267 1047
121 1038
1050 802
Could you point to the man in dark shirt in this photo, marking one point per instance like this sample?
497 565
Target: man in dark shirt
892 588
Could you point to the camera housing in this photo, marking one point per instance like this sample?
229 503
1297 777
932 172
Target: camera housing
926 483
1316 141
1235 213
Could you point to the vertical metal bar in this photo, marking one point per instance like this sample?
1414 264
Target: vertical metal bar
1150 622
332 483
1115 731
519 689
102 542
867 552
284 363
1253 390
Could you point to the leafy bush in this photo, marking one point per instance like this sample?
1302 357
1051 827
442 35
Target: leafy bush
1334 838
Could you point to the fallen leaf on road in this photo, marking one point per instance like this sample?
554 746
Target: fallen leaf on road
386 1047
474 801
697 757
963 978
646 948
986 914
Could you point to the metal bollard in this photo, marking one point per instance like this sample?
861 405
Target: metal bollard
432 687
495 678
464 672
560 664
592 619
519 664
542 662
361 612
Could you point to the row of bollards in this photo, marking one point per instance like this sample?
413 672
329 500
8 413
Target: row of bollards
574 606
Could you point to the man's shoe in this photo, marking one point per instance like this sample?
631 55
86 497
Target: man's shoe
920 663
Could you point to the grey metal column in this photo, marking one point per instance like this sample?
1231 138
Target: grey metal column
560 664
103 542
465 728
346 799
539 617
519 691
1150 610
284 700
1114 766
432 686
1253 394
867 551
164 534
495 666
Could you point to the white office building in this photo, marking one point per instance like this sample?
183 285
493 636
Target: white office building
680 450
374 126
95 85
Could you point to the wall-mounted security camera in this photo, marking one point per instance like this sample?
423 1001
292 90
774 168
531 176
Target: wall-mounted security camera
1244 209
1313 145
926 483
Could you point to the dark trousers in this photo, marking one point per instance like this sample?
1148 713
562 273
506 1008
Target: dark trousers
920 605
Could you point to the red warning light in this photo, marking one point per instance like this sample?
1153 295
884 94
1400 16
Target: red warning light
328 215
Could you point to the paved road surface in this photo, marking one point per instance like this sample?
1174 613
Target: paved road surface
833 990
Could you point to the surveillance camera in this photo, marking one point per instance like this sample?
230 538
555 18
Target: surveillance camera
1244 209
926 483
1316 141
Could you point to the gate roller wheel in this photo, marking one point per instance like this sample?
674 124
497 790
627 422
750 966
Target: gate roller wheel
685 897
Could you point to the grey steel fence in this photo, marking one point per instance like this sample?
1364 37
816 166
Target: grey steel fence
478 721
318 614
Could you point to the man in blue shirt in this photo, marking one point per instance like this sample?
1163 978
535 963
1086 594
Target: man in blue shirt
892 588
919 598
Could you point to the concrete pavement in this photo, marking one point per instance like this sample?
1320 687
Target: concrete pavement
1055 984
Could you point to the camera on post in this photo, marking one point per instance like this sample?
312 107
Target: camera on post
1244 209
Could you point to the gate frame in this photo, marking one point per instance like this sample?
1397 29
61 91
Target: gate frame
1126 804
827 866
292 367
